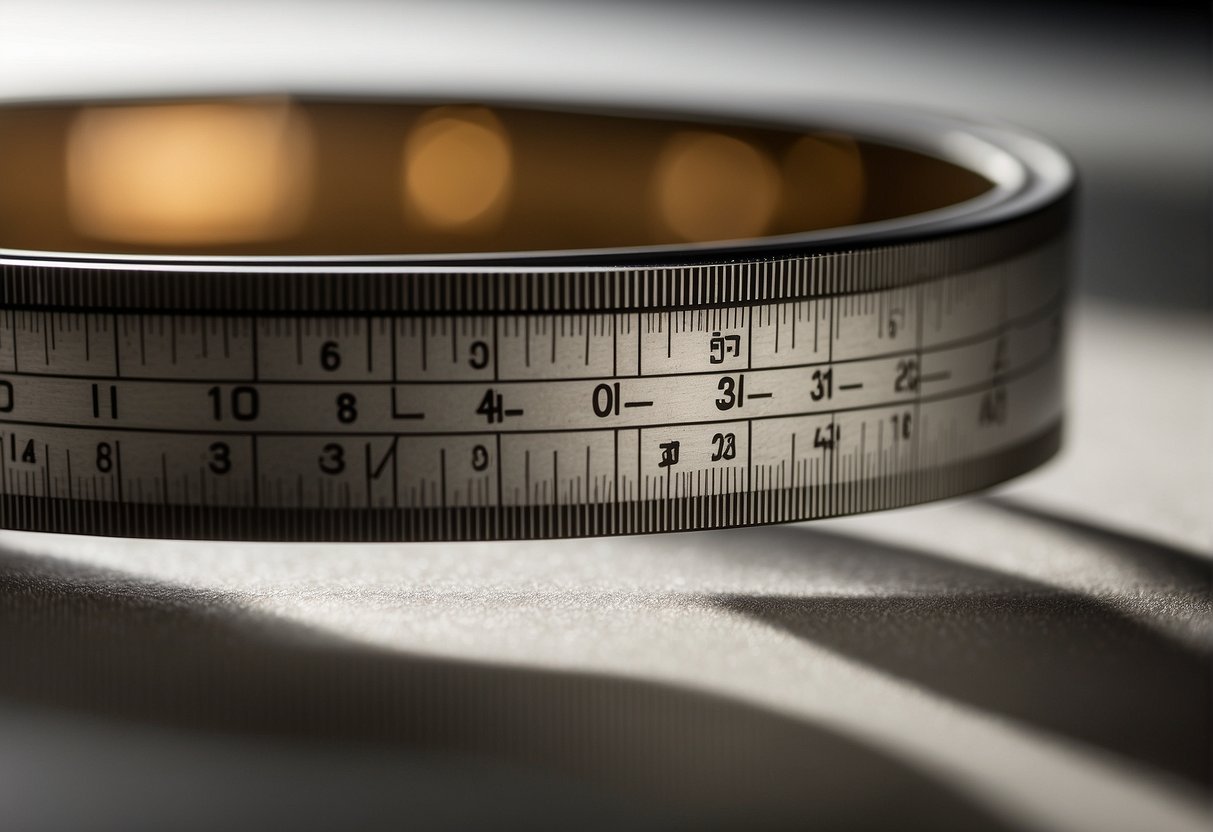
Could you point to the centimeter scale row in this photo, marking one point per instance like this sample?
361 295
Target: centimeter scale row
476 411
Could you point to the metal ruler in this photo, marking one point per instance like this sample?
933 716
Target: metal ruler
361 402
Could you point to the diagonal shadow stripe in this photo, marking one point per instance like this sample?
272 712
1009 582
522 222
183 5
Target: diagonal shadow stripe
1182 566
1054 659
81 640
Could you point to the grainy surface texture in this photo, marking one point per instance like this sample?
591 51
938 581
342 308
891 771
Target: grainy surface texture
1035 658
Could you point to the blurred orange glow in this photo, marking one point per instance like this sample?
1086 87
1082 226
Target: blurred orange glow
189 173
714 187
831 184
458 168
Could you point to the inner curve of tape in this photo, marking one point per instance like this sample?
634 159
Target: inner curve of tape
291 177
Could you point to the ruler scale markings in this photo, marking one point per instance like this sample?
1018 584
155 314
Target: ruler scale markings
689 484
912 351
1027 369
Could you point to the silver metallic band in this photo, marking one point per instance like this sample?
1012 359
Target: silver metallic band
315 399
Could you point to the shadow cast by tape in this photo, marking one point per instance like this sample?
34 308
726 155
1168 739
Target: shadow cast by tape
82 640
1054 659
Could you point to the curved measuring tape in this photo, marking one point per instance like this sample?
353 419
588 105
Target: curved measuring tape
546 394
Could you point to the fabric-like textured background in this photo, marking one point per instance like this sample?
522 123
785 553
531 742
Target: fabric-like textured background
1034 658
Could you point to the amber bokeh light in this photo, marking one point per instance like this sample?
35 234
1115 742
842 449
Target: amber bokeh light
189 173
709 186
268 176
458 168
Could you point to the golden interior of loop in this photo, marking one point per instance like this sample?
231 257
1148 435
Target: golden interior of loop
301 177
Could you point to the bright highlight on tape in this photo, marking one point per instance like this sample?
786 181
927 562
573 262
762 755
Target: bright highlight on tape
458 168
189 173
